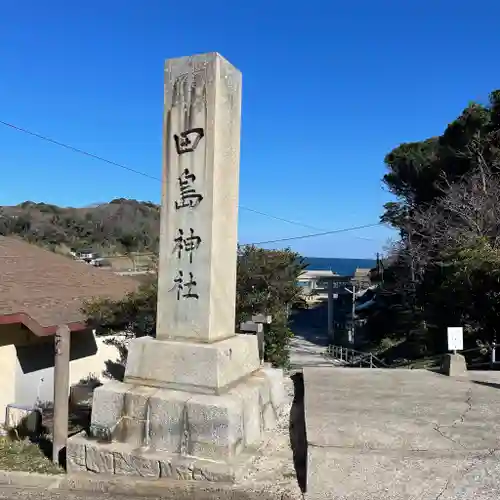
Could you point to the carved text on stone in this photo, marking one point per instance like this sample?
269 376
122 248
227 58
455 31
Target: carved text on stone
189 197
185 286
187 142
186 243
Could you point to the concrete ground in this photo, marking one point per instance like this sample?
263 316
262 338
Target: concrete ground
401 434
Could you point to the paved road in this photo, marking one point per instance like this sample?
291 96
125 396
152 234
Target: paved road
304 353
401 435
311 339
16 493
13 493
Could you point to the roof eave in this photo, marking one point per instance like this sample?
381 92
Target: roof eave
35 327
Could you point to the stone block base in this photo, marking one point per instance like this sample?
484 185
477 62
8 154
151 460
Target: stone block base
162 424
190 366
454 365
121 459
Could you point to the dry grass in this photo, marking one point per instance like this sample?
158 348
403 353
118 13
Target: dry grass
25 456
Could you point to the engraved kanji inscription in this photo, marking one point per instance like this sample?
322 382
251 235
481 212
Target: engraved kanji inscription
185 286
188 195
186 243
187 142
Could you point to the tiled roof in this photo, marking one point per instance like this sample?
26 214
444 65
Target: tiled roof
43 290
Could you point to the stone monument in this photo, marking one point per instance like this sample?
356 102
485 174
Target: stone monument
195 402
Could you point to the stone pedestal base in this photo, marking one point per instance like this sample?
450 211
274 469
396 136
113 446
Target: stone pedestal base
148 431
454 365
192 366
121 459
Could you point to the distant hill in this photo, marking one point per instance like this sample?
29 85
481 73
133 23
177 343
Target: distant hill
116 227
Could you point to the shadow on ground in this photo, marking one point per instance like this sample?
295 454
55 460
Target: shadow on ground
487 384
297 429
79 419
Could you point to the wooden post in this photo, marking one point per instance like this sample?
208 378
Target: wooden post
62 343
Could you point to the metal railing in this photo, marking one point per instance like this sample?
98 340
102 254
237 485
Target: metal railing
354 358
351 357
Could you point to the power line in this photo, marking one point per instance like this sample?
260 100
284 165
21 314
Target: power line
138 172
313 235
280 218
133 170
76 150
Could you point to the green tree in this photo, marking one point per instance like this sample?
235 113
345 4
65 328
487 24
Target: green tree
444 269
267 283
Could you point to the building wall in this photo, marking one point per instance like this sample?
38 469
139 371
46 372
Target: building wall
27 367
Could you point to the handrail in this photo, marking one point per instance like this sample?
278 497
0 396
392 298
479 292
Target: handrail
353 357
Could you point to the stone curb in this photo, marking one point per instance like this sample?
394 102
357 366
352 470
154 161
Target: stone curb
164 489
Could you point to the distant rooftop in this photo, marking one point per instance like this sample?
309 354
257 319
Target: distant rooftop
311 274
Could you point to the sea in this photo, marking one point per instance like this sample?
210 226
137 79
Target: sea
344 267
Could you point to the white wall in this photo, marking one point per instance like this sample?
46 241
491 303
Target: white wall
27 372
7 377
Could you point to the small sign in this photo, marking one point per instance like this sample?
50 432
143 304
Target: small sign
455 338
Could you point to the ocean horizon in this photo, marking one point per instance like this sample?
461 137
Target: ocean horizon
345 267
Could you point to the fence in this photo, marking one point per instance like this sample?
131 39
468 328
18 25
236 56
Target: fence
354 358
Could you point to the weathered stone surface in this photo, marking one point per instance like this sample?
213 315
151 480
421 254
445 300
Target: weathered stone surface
183 468
267 464
202 93
129 464
261 381
191 367
76 455
269 417
99 460
454 365
249 394
135 425
166 470
167 419
215 425
275 379
108 404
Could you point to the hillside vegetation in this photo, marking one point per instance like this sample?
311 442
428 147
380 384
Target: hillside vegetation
121 226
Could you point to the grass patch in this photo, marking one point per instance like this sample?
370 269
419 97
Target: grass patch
25 456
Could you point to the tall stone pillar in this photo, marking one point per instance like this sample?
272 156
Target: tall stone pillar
196 392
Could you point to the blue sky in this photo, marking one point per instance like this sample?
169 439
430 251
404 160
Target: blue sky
329 88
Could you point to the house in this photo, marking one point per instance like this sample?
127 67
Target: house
40 290
362 277
86 254
314 284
